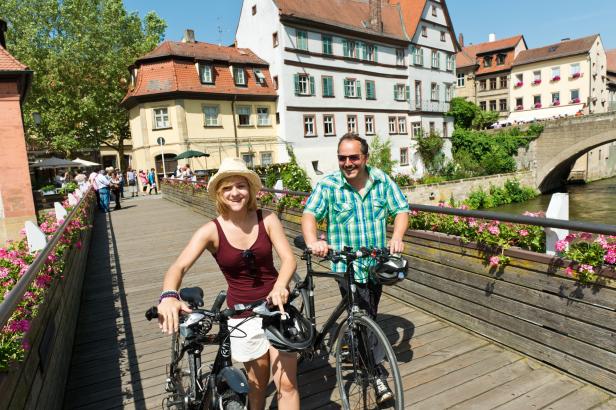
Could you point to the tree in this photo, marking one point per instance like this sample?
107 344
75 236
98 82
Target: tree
380 155
468 115
80 51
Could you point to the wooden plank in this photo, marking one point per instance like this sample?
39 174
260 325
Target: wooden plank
585 398
543 395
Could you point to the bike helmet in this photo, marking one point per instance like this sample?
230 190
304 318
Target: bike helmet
390 271
289 333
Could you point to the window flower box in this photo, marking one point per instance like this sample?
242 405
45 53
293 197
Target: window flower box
538 105
536 82
519 84
519 108
556 78
575 101
576 75
556 103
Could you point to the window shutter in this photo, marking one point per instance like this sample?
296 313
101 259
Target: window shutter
408 93
346 90
376 54
296 79
345 48
358 89
395 93
311 85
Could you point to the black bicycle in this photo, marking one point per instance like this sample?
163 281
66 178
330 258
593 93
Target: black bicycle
360 378
222 386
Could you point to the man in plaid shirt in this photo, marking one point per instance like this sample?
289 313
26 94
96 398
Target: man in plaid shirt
356 202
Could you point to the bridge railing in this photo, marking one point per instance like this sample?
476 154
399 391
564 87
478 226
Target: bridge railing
34 373
530 303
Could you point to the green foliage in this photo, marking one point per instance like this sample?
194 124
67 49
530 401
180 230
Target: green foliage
294 177
403 180
80 52
69 187
380 155
48 187
511 192
429 148
484 119
468 115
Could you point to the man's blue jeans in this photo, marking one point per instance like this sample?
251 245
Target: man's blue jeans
104 194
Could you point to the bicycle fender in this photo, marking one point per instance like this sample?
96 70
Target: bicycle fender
235 379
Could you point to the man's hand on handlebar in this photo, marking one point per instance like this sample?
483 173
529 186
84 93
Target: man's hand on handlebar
396 246
319 248
168 314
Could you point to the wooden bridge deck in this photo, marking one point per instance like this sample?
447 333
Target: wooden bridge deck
119 358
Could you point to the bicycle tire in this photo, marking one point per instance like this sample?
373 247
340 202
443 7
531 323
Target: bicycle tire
356 379
183 376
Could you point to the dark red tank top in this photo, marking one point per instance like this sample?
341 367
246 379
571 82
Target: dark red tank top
250 273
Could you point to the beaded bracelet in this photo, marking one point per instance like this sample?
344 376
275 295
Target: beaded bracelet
169 294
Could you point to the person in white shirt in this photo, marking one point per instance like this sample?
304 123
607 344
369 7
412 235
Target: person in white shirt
102 182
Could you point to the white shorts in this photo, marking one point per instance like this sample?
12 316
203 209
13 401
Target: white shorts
248 341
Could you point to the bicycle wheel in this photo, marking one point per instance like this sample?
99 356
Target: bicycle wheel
301 301
182 375
358 376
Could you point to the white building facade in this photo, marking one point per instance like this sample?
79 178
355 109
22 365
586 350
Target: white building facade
334 77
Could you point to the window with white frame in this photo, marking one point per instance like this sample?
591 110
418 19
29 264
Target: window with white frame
418 94
393 125
400 56
493 83
352 88
327 44
370 90
248 158
555 98
263 117
448 92
442 36
503 104
416 129
243 115
400 92
537 101
301 39
492 105
211 115
418 56
369 124
371 52
575 69
436 59
161 118
404 156
205 73
537 76
304 84
348 48
575 95
352 123
239 76
461 79
309 126
451 62
328 124
434 92
266 158
401 125
503 82
519 103
555 73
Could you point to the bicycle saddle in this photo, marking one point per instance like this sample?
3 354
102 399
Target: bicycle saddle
192 296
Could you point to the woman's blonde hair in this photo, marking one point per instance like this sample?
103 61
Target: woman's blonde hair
221 207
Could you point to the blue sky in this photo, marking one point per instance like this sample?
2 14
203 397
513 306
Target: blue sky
541 22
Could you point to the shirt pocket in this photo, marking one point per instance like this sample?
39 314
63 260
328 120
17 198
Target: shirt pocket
343 211
379 208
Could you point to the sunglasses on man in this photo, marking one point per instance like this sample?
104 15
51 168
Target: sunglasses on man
352 158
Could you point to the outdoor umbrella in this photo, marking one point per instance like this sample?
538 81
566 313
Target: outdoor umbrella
191 154
86 163
54 163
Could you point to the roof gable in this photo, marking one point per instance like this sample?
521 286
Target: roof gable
10 63
468 55
203 51
611 60
556 50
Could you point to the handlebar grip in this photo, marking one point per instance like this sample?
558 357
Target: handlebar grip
220 299
151 313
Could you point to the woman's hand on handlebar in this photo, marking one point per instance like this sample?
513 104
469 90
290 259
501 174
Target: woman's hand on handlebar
278 296
169 314
319 248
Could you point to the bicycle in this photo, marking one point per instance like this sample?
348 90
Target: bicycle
356 370
224 387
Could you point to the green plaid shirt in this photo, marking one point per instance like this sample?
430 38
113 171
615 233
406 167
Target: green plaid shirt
353 220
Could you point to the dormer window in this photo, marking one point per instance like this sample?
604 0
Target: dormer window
133 77
259 76
500 59
205 73
239 76
487 61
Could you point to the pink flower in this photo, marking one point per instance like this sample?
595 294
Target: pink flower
456 219
569 271
494 261
561 246
494 230
569 238
587 268
78 245
610 257
4 272
523 232
414 213
586 236
19 326
43 281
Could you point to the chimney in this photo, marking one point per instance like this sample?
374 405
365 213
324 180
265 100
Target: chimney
2 31
461 40
376 19
189 36
491 37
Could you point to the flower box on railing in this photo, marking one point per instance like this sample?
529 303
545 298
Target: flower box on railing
556 103
518 84
519 108
556 78
575 101
576 75
537 105
536 82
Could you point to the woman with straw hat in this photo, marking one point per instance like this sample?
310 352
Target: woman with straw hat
241 239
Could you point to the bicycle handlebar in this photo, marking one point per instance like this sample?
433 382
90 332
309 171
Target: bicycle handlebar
215 312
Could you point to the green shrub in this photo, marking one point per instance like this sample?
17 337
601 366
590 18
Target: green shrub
430 149
380 155
511 192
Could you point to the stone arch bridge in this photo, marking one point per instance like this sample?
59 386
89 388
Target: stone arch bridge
564 141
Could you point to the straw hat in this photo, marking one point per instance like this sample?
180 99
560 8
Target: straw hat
234 167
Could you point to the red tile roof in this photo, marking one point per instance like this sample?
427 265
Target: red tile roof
203 51
611 60
160 75
352 14
411 13
468 56
557 50
10 63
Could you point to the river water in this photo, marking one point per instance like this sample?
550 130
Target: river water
593 202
